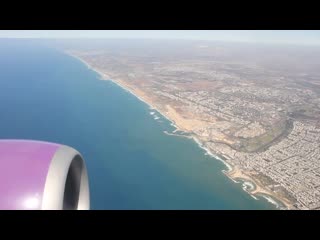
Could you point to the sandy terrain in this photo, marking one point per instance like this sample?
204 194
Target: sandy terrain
236 173
183 123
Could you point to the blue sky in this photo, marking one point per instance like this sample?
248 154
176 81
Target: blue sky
305 37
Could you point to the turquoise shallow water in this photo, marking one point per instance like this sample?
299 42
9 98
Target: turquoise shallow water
132 164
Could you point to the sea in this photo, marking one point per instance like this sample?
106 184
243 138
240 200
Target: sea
132 163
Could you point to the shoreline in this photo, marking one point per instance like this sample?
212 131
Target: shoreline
257 191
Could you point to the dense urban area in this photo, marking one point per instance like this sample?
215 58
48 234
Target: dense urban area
257 107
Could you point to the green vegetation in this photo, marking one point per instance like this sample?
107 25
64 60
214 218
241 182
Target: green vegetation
262 142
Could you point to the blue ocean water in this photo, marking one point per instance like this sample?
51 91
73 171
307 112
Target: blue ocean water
48 95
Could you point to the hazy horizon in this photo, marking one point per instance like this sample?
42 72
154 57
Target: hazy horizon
291 37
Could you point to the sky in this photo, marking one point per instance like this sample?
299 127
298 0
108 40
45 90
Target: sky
304 37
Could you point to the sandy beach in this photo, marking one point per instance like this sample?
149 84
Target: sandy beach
236 173
183 124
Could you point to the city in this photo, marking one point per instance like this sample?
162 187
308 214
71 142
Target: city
256 107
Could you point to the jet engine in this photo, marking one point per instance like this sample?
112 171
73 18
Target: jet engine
42 176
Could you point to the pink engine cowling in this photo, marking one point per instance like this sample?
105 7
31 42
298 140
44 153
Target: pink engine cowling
42 176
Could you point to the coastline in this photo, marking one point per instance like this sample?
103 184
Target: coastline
232 172
257 190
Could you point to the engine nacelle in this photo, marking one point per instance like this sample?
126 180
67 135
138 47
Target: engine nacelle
42 176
